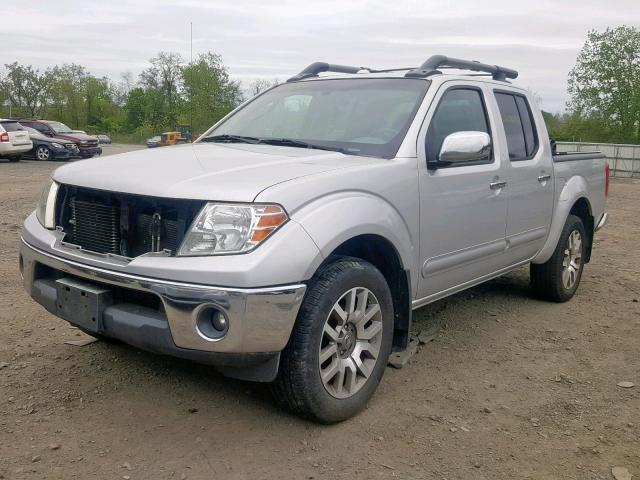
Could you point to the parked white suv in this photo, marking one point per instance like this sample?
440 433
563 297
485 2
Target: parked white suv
14 140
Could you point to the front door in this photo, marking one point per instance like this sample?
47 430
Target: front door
463 208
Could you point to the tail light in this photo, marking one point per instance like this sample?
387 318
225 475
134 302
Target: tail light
606 176
4 137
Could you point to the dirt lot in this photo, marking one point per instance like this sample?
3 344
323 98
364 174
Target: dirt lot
510 388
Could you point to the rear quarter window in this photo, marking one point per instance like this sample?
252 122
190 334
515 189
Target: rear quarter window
519 127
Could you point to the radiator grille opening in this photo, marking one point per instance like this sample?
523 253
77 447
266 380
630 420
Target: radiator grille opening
95 226
127 225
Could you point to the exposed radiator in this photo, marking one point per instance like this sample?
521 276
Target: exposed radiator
124 224
96 226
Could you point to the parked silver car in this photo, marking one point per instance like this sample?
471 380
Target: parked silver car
291 242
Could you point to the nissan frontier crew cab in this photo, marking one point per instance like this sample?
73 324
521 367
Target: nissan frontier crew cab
292 241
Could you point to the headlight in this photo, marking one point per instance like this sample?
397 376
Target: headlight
84 142
222 228
56 145
46 209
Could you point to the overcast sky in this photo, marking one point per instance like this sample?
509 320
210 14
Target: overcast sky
259 38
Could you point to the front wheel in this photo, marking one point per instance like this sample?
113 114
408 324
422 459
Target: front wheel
340 344
43 153
558 278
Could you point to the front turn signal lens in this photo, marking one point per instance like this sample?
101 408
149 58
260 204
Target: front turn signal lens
268 221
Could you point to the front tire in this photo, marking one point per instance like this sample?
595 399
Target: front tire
43 153
558 278
340 345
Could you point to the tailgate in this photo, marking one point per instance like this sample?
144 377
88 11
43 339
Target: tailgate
19 138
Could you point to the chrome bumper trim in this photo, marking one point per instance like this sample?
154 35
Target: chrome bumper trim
260 319
603 221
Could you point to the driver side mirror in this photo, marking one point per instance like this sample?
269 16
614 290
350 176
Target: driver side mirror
462 147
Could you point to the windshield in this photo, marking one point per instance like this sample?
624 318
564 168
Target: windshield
59 127
355 116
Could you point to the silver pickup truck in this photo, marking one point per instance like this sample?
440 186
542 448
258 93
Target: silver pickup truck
292 241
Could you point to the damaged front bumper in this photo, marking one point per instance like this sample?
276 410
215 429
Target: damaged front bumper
167 317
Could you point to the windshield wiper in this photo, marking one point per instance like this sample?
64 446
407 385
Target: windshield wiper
231 139
289 142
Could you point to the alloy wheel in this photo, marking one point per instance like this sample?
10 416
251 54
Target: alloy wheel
42 153
572 260
350 342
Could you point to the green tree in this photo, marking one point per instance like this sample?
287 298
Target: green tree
604 84
67 94
26 88
136 108
209 92
164 76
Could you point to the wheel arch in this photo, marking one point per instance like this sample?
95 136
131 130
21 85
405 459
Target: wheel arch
382 254
573 200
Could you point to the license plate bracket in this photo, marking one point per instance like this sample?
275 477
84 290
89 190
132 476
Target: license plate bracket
82 303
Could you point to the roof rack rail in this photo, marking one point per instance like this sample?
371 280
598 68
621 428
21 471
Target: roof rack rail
315 68
430 67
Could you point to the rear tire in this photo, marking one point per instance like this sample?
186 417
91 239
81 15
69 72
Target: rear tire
558 278
346 319
15 158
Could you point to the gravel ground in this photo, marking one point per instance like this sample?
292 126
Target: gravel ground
509 388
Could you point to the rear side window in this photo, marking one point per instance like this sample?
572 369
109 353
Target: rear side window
459 110
522 140
11 126
40 127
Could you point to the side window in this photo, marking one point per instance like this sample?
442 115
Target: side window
38 126
459 110
530 135
517 119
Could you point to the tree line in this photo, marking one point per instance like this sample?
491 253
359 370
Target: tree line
169 93
603 86
604 90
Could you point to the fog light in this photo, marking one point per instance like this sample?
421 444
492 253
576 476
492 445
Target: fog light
212 323
219 321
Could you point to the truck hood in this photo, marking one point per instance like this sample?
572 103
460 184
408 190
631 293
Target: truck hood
225 172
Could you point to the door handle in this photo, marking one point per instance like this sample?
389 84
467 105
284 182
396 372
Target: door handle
543 178
497 185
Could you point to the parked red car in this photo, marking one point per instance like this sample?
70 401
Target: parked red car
87 145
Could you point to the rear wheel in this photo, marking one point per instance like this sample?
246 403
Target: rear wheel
15 158
43 153
340 344
558 278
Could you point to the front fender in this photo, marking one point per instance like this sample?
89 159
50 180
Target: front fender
571 191
336 218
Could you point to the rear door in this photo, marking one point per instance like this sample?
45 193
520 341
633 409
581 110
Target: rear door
462 213
529 176
18 136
